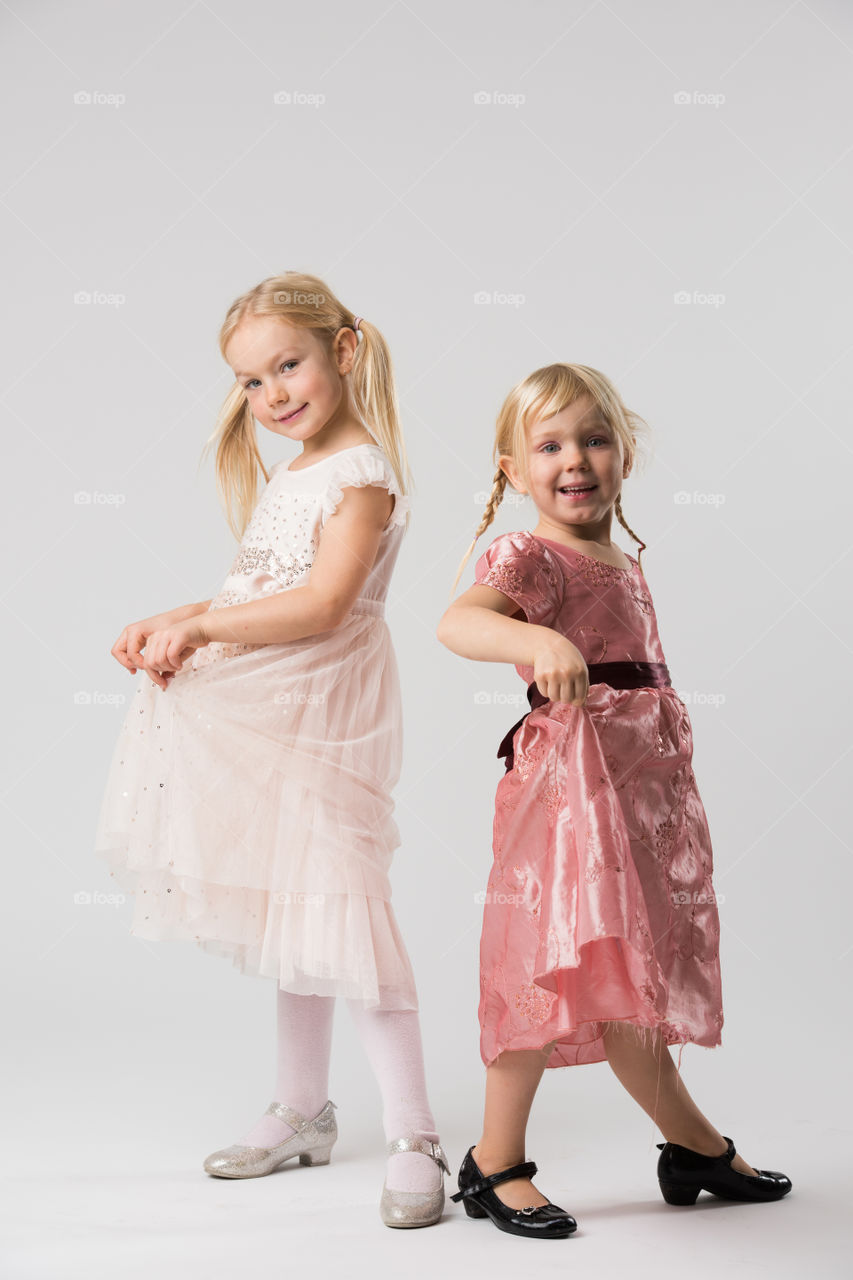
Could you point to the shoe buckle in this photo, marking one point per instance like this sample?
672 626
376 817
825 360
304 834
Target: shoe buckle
426 1146
437 1153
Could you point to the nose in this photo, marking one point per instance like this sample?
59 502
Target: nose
274 398
574 459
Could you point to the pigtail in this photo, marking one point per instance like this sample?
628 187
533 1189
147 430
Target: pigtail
374 396
237 460
494 501
624 523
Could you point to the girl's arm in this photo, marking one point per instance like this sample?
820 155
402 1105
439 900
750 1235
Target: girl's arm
345 555
187 611
482 624
487 626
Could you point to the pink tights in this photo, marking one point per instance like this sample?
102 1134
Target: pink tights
392 1042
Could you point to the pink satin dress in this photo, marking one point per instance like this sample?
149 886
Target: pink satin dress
600 903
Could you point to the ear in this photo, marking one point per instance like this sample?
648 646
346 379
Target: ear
346 342
510 470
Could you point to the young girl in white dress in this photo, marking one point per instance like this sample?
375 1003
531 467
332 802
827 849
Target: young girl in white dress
248 805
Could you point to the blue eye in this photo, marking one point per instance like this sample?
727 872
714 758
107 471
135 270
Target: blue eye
248 384
556 446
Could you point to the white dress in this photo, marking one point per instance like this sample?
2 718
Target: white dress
248 805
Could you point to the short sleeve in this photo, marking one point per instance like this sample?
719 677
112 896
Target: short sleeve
359 468
518 566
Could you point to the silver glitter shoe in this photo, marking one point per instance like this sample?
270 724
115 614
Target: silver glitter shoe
414 1208
312 1142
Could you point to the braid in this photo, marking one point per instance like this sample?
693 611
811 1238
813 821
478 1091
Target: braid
624 523
494 501
496 497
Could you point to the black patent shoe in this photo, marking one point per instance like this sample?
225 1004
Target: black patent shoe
683 1173
547 1221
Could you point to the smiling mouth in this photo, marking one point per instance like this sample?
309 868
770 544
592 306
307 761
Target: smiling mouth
288 416
577 489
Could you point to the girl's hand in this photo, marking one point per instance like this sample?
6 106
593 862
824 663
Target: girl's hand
167 650
559 669
128 648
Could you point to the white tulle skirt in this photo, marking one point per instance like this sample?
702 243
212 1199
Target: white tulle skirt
248 808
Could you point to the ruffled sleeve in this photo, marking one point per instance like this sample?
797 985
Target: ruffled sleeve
520 567
359 468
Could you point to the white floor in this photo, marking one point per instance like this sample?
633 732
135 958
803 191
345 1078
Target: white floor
169 1220
115 1095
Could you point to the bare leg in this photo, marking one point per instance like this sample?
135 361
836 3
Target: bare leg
644 1065
511 1084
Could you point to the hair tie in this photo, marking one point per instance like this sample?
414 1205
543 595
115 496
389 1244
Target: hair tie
356 322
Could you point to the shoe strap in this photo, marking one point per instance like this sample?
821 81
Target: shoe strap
423 1145
728 1155
295 1118
525 1170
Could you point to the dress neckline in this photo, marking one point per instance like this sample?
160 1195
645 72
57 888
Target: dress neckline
596 560
365 444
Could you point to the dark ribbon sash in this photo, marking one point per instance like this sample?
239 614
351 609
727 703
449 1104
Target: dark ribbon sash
619 675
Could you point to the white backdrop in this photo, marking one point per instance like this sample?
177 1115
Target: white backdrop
660 190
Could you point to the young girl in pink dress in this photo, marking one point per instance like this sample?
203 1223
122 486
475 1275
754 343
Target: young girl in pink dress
248 805
600 929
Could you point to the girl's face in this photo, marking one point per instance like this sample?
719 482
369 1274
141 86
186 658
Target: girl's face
575 470
293 388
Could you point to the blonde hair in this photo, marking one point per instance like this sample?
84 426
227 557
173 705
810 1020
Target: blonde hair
540 395
306 302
